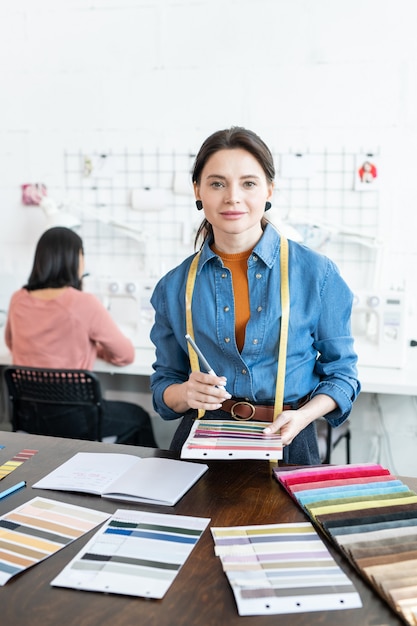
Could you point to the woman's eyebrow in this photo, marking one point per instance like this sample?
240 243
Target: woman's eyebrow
216 176
224 177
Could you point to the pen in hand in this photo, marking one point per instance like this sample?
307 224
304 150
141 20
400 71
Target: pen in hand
201 356
10 490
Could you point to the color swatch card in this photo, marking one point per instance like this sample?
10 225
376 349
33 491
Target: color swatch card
282 568
217 439
371 516
38 529
135 553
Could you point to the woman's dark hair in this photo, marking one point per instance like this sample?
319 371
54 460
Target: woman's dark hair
57 260
228 139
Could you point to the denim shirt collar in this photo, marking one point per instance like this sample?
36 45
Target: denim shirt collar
267 249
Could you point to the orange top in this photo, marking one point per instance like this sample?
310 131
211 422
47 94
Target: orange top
238 265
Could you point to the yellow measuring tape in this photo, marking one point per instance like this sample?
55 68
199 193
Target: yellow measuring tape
283 339
285 314
189 290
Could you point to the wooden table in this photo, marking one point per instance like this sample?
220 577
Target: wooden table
231 493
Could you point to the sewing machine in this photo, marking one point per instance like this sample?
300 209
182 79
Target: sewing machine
128 302
379 328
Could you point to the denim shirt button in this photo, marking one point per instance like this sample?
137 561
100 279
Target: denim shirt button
224 275
255 341
244 371
226 309
258 275
227 339
254 257
259 309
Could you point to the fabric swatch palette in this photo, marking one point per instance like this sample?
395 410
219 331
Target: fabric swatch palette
217 439
282 568
371 516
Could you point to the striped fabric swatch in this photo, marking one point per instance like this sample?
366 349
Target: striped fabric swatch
282 568
217 439
135 553
38 529
371 516
9 466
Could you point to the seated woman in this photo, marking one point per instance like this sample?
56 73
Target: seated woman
52 323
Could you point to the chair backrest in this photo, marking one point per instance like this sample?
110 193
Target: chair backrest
62 403
329 437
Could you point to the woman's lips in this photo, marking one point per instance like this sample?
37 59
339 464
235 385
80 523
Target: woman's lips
232 215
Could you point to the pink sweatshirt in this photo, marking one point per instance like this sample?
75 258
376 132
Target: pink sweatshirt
68 332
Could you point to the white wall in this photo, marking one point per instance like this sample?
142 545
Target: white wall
123 74
165 73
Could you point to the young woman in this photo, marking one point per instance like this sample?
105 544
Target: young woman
52 323
235 312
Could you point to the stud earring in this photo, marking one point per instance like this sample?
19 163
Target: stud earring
199 205
267 206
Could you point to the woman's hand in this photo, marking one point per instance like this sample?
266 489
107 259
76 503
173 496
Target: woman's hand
205 391
200 391
290 423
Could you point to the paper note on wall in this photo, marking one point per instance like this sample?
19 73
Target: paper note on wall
148 199
297 166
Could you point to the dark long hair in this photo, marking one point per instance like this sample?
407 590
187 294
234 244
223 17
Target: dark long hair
228 139
57 260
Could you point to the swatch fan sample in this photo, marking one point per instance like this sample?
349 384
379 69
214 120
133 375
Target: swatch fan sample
282 568
372 517
217 439
9 466
38 529
135 553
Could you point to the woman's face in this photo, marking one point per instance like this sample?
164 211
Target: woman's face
233 189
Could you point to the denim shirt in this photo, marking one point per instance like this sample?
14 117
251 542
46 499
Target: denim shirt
320 354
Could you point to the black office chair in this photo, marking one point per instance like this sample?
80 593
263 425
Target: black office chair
330 437
59 403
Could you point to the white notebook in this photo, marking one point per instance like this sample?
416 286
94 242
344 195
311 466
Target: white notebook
151 480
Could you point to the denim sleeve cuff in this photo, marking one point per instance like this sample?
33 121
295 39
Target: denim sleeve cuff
161 408
342 395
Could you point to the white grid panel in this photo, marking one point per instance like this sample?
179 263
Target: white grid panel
327 196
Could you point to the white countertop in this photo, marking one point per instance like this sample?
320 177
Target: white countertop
401 381
142 365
